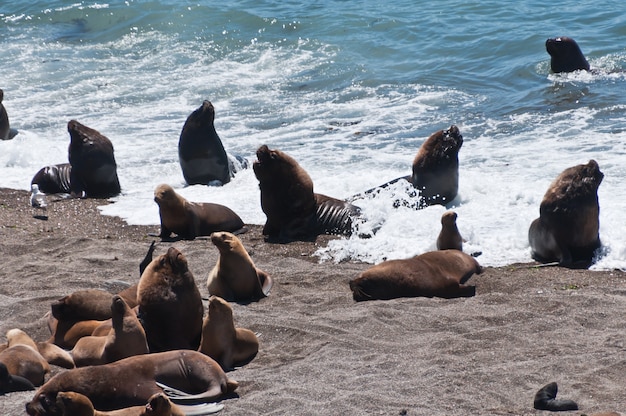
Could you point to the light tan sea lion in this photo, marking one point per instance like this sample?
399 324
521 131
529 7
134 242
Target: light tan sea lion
567 229
76 404
189 220
133 380
440 273
449 237
235 277
170 306
227 345
22 358
127 338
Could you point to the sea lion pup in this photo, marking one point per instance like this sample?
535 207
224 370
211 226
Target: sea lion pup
10 383
545 399
127 338
170 306
133 380
189 220
76 404
235 277
449 237
6 132
567 229
22 358
294 212
565 55
437 273
201 154
227 345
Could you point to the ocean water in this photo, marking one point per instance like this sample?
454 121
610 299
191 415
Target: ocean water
350 89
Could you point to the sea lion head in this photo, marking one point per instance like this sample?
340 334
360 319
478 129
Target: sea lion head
75 404
205 114
158 404
274 162
449 142
44 405
220 307
448 218
224 241
565 55
165 195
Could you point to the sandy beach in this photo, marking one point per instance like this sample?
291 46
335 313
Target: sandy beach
321 352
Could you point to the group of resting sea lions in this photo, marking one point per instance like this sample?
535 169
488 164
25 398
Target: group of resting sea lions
150 349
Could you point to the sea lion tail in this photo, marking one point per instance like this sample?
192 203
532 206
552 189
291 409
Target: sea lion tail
545 399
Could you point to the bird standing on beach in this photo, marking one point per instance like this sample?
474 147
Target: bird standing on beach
38 201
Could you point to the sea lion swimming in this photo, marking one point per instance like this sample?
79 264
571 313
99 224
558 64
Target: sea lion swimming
294 212
567 230
189 220
201 153
440 273
565 55
6 132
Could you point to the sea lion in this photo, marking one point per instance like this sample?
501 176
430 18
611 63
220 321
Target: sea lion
54 179
170 306
76 404
440 273
235 277
449 237
567 229
189 220
293 210
133 380
227 345
545 399
22 358
565 55
201 154
10 383
6 132
127 338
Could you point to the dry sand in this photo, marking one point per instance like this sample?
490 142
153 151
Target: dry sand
322 353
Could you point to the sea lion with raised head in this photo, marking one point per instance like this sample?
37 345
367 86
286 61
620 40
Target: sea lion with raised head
567 230
189 220
170 306
125 339
133 380
440 273
565 55
75 404
449 236
293 210
6 132
235 277
227 345
201 153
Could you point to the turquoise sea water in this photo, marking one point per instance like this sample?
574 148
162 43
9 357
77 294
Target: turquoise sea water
350 89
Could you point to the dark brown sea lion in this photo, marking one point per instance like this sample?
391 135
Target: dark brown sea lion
449 237
567 229
133 380
235 277
22 358
437 273
6 132
76 404
54 179
565 55
189 220
10 383
227 345
545 399
127 338
293 210
201 154
170 306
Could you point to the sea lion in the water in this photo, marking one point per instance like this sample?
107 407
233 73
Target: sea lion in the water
189 220
567 229
565 55
22 357
126 338
133 380
6 132
76 404
449 237
235 277
170 306
227 345
201 154
545 399
440 273
293 210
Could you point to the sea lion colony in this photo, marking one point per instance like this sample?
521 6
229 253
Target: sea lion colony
97 327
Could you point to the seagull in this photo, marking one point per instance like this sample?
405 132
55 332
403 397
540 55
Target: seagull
38 201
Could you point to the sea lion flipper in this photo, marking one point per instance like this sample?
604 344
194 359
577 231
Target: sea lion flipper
147 259
200 408
266 282
545 399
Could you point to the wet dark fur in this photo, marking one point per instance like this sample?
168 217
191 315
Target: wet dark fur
565 55
545 399
54 179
